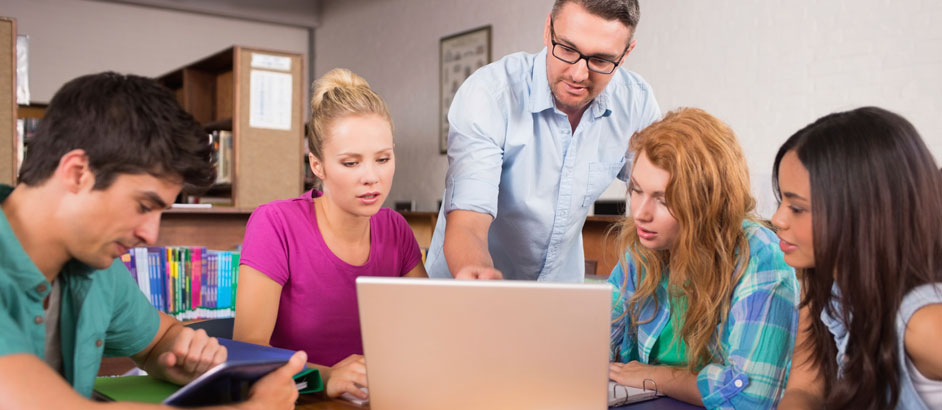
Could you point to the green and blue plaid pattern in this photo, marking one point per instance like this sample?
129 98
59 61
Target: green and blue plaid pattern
757 339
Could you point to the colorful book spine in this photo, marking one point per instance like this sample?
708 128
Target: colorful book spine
186 282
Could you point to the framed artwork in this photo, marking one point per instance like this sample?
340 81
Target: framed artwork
459 56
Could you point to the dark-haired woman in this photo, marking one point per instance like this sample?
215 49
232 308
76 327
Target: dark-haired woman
870 264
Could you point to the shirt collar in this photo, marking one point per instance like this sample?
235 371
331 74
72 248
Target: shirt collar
599 106
17 264
541 96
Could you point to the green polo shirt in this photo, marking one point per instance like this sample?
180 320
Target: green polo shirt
103 313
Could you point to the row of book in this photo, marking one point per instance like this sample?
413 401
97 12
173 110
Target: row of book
186 282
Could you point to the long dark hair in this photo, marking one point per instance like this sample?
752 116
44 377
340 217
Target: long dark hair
876 194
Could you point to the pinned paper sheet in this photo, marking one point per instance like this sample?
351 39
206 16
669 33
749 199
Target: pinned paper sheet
270 100
271 62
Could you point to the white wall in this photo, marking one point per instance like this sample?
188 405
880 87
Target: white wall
394 45
766 67
770 67
69 38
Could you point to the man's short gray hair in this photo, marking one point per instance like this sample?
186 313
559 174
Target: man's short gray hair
625 11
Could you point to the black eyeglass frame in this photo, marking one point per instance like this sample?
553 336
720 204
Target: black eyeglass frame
583 56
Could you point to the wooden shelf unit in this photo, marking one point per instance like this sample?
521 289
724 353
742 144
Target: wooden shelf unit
218 92
8 137
423 226
218 228
10 111
599 241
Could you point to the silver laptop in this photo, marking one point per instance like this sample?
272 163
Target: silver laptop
450 344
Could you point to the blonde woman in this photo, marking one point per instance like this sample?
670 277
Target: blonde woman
704 307
301 256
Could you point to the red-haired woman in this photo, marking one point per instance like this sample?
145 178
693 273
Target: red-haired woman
704 305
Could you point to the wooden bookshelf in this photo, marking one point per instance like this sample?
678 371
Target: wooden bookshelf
219 228
8 136
423 226
599 243
231 91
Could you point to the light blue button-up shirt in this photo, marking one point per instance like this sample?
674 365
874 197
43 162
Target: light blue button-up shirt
512 155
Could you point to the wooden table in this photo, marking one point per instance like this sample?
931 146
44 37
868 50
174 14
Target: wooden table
321 402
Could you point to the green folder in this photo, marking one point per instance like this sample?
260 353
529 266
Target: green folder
312 377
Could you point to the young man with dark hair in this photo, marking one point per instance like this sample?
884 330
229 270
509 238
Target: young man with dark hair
111 154
533 141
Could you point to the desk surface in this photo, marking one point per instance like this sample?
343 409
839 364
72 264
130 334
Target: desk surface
318 402
660 403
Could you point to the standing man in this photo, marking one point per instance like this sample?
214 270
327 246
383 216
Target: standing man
110 155
534 140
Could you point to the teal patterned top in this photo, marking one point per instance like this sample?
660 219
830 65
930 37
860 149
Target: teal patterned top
757 339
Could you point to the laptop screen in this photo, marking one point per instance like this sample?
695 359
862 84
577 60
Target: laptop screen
442 343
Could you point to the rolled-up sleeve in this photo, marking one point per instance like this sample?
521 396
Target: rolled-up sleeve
758 340
477 130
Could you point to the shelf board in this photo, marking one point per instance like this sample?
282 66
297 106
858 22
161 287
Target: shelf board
418 213
224 124
33 110
210 211
604 218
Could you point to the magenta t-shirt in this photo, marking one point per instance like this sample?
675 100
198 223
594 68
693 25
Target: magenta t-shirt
318 308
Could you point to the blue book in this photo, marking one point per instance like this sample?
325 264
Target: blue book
212 278
242 351
152 275
160 276
221 300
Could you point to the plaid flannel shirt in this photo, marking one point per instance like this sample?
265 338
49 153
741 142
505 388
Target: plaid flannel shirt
758 337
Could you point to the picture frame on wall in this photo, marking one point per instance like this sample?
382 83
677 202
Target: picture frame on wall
459 55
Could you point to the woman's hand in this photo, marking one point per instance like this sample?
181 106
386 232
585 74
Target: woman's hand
347 376
631 374
676 382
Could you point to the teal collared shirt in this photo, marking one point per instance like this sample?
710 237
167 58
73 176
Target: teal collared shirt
103 313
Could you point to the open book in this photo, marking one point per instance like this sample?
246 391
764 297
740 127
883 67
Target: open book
619 395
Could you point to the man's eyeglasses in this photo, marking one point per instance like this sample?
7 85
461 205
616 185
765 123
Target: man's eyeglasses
570 55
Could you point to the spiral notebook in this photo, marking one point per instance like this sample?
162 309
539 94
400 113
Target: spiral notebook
620 395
